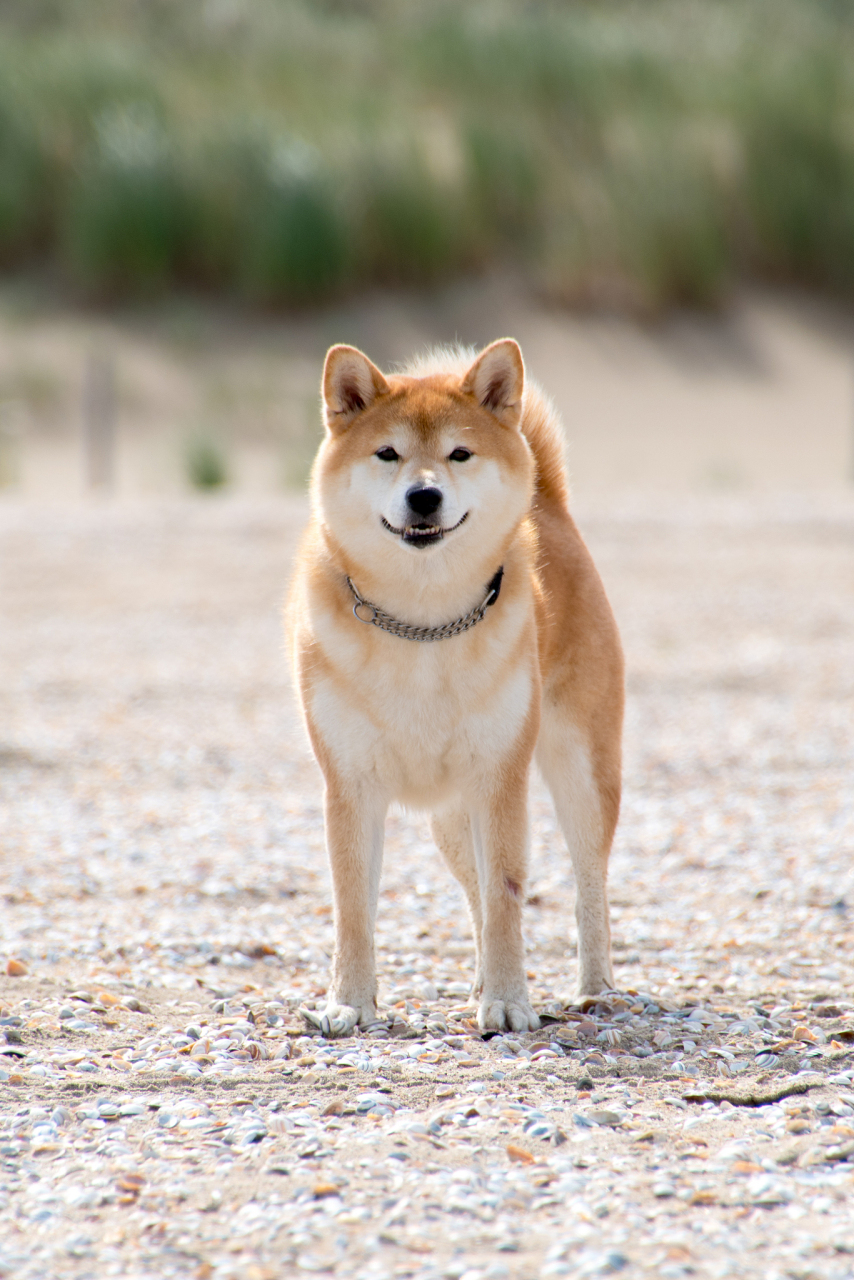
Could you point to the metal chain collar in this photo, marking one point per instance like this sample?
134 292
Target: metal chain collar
407 631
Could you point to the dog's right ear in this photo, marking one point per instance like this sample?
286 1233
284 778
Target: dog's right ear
351 384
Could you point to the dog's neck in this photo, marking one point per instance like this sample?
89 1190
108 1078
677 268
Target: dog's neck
373 615
423 588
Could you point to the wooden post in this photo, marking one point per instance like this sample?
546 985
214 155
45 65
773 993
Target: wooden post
99 420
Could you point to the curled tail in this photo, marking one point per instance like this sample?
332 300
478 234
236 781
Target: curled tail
541 428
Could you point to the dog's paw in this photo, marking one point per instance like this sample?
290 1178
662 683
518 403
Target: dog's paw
506 1015
338 1019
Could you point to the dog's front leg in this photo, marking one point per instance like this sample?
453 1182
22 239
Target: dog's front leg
354 837
452 831
500 831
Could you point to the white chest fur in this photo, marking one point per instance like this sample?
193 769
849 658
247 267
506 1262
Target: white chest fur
422 722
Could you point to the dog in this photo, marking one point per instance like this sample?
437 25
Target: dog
447 626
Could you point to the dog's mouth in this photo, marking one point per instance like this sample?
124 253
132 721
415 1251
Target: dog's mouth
422 535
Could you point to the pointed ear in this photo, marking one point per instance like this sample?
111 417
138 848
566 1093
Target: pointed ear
497 381
350 385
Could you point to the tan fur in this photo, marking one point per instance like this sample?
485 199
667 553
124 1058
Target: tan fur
451 727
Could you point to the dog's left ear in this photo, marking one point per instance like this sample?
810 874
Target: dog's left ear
497 381
351 384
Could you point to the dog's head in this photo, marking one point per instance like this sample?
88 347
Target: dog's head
430 466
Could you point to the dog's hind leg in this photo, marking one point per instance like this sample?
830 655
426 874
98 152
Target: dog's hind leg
586 801
453 835
354 837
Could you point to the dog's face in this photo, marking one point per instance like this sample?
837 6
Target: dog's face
422 467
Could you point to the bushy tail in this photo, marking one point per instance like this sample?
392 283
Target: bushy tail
541 428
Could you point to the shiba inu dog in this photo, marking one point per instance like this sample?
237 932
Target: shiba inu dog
447 626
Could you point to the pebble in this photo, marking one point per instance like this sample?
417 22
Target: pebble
153 1059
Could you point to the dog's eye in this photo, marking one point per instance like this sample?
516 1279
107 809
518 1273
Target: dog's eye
459 455
387 454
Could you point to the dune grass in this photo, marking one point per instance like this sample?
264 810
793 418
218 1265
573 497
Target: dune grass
282 151
206 465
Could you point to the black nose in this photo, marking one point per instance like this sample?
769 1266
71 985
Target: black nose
424 501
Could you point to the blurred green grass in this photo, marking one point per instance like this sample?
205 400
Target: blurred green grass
282 151
206 465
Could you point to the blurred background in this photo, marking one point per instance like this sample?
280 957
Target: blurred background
198 196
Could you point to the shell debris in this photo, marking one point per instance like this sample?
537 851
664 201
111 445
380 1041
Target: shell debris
171 1100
